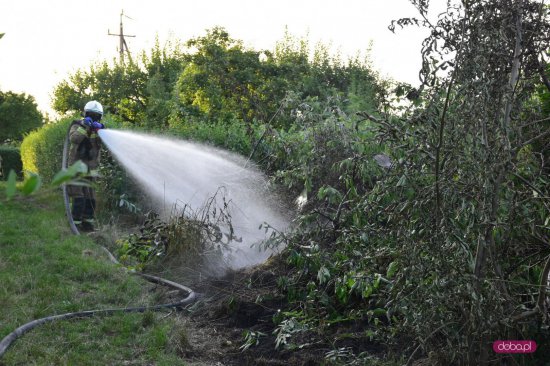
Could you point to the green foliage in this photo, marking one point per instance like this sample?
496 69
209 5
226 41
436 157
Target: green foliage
18 115
222 81
251 339
117 193
425 218
324 141
137 92
288 328
217 80
369 247
327 156
463 210
69 95
543 90
10 159
118 87
63 176
33 181
31 184
188 237
42 150
233 135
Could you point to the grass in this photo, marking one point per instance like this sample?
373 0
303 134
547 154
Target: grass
45 270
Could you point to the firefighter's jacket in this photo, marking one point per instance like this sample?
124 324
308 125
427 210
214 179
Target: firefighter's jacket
85 145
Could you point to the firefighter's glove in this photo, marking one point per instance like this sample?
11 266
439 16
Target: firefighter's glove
88 121
96 126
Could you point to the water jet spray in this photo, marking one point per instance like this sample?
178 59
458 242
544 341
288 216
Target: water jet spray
172 172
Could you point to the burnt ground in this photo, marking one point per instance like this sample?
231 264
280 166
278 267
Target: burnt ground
229 306
246 301
212 330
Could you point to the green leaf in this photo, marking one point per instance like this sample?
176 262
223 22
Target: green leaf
402 181
367 292
61 177
392 268
66 175
323 275
399 91
330 193
31 184
78 167
342 294
370 334
11 184
376 282
351 282
322 192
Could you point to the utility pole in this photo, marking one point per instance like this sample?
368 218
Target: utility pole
123 47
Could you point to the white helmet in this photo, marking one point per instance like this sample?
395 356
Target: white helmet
94 107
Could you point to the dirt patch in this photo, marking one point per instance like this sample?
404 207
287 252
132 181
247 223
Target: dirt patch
228 307
213 330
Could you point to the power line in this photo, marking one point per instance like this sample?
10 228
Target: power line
123 46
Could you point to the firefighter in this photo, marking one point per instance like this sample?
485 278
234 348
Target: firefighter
85 145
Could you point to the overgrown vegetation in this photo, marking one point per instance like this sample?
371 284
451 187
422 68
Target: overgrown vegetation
194 238
425 216
475 229
214 79
447 251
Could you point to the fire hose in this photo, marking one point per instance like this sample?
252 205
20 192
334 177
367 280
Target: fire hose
190 297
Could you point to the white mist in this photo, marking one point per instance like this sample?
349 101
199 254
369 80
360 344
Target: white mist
175 172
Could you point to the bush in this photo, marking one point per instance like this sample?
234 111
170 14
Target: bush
42 150
191 238
10 158
231 135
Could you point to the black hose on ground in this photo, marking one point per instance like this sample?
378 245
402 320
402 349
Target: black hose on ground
190 298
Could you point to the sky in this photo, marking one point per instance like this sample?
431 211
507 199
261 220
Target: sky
45 41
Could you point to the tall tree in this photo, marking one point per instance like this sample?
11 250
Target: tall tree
18 115
222 80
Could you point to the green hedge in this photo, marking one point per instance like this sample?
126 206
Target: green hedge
10 158
42 150
231 136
